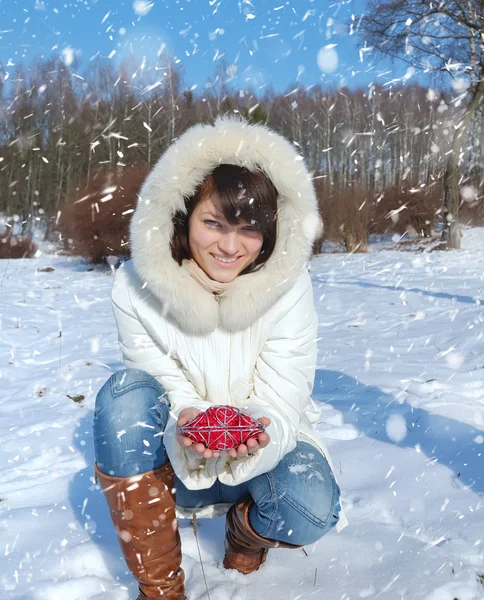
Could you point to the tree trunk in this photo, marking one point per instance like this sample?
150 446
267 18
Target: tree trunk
451 228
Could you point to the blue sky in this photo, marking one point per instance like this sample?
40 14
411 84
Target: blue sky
263 42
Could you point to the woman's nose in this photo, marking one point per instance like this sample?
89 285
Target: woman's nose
229 243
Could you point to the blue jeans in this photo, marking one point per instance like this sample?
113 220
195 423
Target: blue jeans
297 502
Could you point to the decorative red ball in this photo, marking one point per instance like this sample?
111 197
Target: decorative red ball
221 428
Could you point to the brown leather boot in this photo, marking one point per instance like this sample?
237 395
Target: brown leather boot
143 513
245 550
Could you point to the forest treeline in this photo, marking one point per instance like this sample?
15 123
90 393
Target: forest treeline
60 126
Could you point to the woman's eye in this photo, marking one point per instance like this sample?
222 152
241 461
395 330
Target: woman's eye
212 223
251 228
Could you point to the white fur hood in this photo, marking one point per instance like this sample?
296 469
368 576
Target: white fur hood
176 176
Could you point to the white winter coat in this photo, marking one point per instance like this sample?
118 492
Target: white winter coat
254 346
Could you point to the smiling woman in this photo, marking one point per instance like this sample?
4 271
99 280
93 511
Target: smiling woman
216 308
220 249
230 224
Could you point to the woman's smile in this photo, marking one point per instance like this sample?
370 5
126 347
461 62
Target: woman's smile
226 261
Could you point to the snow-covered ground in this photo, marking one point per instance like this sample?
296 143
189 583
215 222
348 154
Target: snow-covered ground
401 381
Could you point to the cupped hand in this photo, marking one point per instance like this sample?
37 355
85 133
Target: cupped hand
198 449
253 445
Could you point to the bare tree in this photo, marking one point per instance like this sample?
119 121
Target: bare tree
445 36
386 145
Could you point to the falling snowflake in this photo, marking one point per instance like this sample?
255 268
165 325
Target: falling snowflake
396 428
468 193
327 59
142 7
68 55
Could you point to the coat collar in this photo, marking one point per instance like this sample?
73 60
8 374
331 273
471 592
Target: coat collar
176 175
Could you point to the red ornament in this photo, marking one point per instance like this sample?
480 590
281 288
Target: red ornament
221 428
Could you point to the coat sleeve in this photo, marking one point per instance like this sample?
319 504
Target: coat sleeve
141 351
283 379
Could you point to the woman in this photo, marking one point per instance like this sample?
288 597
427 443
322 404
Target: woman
216 307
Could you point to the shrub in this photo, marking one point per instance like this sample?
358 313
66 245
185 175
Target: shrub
96 224
13 246
350 214
411 210
345 213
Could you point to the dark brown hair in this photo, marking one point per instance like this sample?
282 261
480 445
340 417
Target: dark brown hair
245 196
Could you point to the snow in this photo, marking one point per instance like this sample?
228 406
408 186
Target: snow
327 59
142 8
396 428
68 55
400 379
469 193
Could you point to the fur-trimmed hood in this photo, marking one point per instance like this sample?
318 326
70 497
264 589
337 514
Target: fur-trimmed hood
176 176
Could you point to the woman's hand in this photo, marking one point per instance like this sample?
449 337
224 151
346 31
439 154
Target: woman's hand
253 444
195 448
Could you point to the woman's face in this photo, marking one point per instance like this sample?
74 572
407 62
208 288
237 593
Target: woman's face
222 250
